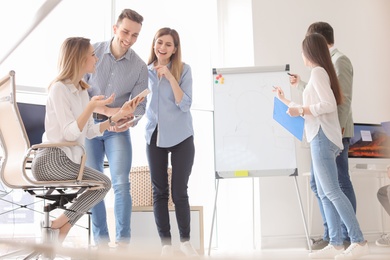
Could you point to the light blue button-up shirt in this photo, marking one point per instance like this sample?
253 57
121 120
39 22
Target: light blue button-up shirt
174 121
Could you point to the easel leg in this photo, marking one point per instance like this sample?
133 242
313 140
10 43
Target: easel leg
214 212
253 215
89 230
302 213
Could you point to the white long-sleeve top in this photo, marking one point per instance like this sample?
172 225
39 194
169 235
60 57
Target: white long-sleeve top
64 105
319 97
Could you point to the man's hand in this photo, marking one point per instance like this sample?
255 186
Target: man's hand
294 79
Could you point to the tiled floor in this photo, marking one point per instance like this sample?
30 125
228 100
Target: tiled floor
66 253
291 254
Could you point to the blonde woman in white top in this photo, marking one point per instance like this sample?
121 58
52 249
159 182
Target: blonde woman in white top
69 118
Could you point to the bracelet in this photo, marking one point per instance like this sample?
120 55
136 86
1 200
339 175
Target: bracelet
112 123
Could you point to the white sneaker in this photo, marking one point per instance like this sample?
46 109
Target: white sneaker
354 251
167 251
327 252
188 250
384 240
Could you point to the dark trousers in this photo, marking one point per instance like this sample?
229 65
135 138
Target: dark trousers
182 159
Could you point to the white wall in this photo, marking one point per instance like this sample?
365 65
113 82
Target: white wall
361 32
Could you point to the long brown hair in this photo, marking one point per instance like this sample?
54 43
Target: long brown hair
72 57
316 50
176 62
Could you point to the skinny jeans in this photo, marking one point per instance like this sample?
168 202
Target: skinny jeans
337 207
345 185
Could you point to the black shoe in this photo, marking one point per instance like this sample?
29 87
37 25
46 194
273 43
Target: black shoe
346 243
319 244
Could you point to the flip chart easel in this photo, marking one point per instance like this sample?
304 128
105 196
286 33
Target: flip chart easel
248 142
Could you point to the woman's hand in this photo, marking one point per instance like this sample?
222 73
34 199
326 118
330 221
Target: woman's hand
100 101
279 92
163 70
129 107
124 115
293 111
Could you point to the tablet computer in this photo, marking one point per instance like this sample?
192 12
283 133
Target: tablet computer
143 94
134 119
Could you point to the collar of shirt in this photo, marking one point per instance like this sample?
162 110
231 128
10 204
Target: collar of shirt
151 66
68 83
107 50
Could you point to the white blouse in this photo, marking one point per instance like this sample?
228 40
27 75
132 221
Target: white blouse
64 105
319 97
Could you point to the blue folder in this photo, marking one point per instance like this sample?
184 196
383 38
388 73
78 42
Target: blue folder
294 125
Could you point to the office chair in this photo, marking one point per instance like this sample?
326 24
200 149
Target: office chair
15 166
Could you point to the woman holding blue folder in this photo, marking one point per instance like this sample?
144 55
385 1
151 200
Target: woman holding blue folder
320 99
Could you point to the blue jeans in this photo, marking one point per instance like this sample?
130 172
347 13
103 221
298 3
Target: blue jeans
117 148
337 208
182 159
345 185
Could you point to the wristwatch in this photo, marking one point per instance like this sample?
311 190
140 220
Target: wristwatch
300 111
112 123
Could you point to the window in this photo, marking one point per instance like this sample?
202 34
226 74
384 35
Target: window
195 21
35 59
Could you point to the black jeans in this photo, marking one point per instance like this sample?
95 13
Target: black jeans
182 159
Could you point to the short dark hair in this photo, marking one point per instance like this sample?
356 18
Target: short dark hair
324 29
130 14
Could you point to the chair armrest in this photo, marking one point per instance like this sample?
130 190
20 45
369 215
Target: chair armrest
48 145
33 148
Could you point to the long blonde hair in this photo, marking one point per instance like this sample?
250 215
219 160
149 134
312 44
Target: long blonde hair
176 62
72 57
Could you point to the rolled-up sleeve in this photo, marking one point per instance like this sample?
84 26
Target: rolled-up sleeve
186 85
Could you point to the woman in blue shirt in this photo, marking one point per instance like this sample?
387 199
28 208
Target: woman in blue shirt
169 130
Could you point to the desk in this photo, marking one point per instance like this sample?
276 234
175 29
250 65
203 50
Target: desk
379 172
366 183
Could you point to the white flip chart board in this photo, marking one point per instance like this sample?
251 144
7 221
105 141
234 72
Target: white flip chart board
247 140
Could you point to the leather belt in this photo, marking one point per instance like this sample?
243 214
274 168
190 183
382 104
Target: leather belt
99 116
